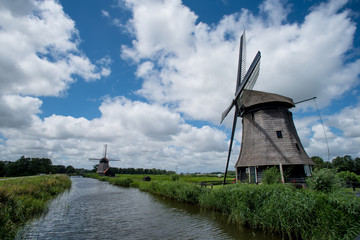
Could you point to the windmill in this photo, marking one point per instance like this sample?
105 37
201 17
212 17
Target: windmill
269 135
103 168
244 82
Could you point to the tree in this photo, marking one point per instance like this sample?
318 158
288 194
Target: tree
2 168
343 163
22 166
70 169
40 165
95 168
319 162
357 166
58 169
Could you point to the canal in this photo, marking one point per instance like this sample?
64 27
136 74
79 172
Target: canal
98 210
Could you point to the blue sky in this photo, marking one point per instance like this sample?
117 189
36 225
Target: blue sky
151 78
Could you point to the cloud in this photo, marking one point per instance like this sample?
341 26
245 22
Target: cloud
193 65
40 49
141 134
39 56
274 11
342 133
16 111
188 72
105 13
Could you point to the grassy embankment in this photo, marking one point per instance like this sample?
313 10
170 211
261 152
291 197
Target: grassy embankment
280 209
22 199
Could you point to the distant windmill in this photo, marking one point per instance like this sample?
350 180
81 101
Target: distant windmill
103 168
269 135
243 82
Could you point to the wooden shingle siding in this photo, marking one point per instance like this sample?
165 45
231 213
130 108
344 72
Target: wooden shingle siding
264 115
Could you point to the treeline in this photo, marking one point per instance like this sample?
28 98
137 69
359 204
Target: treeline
32 166
137 171
340 164
26 166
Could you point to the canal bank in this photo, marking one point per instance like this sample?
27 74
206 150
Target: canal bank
98 210
275 208
23 198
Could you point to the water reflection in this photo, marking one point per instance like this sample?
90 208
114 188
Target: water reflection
98 210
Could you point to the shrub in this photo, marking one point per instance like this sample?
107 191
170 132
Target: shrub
178 190
271 176
175 177
124 182
347 176
324 180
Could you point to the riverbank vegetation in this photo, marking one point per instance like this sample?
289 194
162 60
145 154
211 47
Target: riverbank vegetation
326 210
22 199
26 166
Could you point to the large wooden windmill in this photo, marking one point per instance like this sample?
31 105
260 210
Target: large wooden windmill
269 136
103 168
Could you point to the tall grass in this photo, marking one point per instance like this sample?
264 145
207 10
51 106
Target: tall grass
24 198
297 214
178 190
275 208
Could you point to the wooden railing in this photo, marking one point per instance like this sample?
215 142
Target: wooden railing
212 183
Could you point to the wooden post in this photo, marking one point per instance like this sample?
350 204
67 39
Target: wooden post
256 180
281 173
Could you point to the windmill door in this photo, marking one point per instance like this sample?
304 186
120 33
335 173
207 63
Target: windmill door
252 175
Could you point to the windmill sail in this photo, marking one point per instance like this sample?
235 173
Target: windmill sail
242 62
242 83
248 83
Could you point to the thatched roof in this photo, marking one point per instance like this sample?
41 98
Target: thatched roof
256 98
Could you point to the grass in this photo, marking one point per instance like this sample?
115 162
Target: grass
22 199
276 208
294 213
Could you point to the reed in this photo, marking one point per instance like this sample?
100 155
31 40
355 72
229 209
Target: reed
297 214
178 190
24 198
273 208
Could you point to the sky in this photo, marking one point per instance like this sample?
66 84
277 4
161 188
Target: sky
150 78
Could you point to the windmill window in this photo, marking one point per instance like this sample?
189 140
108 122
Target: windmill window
279 134
297 146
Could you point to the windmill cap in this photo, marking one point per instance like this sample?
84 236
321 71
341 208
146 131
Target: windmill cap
255 98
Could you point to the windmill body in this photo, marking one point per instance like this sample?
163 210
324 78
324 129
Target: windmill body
270 139
269 135
103 166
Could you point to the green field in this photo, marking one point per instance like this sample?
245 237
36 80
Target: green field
136 180
275 208
24 198
185 178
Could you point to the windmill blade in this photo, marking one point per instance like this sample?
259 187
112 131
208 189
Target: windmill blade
252 74
231 142
242 62
110 159
226 112
105 149
94 159
249 85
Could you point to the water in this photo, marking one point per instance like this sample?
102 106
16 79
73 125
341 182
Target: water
98 210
